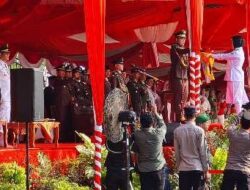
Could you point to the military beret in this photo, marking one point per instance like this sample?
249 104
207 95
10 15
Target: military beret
85 71
181 34
61 68
202 118
4 48
78 69
119 61
69 68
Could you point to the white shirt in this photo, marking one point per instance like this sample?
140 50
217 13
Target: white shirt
235 60
190 148
239 150
4 81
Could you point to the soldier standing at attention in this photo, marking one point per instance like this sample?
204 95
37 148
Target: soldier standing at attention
62 104
82 108
68 74
135 92
144 91
5 105
117 81
179 73
88 112
69 78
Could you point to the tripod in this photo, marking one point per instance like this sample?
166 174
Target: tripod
27 168
127 155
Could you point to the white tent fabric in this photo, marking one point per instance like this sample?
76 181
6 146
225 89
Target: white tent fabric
26 64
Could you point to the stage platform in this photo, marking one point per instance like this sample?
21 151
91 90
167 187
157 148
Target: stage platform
62 152
17 154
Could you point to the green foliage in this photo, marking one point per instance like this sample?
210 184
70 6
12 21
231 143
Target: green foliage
59 184
11 186
45 165
220 141
87 143
174 180
12 173
136 181
219 159
12 176
87 153
218 163
216 181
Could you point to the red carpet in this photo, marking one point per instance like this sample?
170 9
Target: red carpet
64 151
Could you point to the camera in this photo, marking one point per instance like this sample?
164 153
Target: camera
127 116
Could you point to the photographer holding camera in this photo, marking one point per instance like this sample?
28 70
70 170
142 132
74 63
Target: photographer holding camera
118 161
148 146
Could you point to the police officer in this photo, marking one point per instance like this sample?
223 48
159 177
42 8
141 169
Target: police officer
135 91
82 107
62 105
68 72
117 80
88 112
5 105
69 77
179 72
144 91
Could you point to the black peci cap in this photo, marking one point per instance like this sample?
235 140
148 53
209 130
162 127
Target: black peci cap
238 41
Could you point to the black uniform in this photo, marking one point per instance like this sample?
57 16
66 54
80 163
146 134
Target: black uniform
135 92
144 95
107 86
179 77
62 109
69 83
49 102
82 108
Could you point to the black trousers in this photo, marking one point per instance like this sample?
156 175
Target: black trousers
235 178
181 87
191 180
116 180
153 180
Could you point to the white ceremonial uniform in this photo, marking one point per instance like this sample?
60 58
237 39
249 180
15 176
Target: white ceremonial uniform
236 93
5 105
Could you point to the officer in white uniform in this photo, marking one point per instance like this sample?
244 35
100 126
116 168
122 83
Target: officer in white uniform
236 93
5 105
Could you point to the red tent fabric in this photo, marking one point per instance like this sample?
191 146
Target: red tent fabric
95 12
44 28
